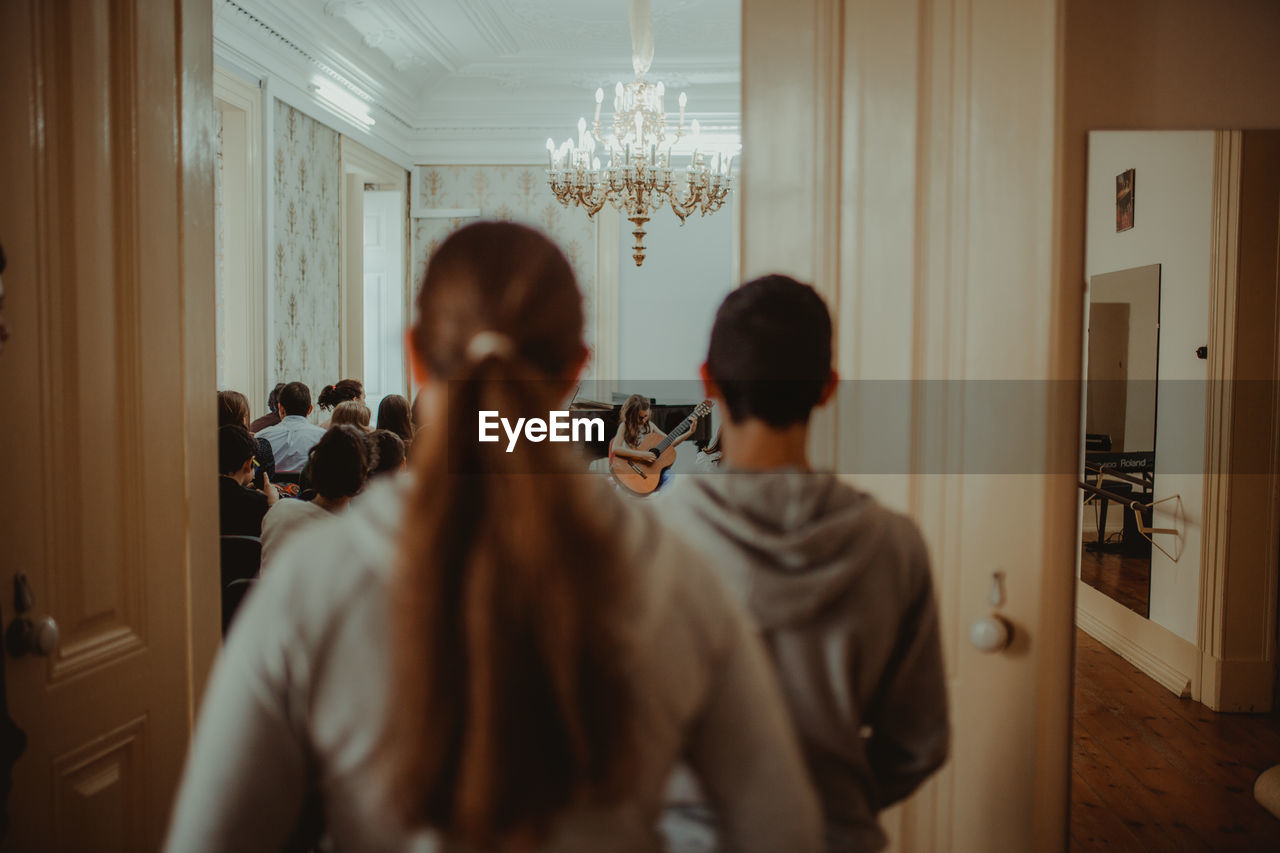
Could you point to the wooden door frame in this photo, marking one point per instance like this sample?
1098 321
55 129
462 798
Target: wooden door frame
199 424
1240 552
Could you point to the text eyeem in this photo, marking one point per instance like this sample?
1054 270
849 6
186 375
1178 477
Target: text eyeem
557 427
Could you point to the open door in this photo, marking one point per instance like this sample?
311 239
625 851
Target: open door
902 156
109 509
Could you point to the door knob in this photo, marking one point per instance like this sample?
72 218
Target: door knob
32 636
991 633
26 635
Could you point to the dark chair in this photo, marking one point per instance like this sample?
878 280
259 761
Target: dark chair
241 559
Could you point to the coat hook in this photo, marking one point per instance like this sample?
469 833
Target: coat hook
996 597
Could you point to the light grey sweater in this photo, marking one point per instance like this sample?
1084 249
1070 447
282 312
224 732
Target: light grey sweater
841 590
283 749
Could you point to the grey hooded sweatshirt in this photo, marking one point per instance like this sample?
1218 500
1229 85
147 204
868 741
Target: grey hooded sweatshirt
841 591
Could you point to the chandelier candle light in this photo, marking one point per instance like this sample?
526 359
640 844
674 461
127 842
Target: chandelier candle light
640 177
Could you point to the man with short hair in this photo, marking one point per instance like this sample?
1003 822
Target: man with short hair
272 417
241 507
292 439
839 585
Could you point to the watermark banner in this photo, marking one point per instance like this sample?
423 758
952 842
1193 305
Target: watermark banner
980 427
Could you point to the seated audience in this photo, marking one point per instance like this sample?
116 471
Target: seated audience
393 414
839 586
233 408
272 417
240 506
353 413
496 655
340 464
391 457
293 438
332 395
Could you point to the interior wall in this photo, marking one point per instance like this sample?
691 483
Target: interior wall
220 254
670 302
509 193
1172 227
306 297
1154 64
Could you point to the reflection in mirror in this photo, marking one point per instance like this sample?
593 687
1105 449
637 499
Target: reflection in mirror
1123 341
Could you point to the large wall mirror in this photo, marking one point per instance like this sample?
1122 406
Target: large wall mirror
1123 346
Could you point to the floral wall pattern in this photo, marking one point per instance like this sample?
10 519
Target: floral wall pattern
305 261
510 193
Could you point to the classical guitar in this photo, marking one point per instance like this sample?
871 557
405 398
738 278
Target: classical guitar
641 477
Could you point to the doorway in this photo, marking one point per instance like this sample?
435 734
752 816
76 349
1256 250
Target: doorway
374 284
385 298
1196 479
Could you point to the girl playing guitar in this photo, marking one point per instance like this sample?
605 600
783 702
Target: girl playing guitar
633 426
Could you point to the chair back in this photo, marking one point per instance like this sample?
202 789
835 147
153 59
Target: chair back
241 559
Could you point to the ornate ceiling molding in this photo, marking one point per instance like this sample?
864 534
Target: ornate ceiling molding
464 83
404 33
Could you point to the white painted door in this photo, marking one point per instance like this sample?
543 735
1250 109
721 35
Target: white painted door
901 156
384 297
109 504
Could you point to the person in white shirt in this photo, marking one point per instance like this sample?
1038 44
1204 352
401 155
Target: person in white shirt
340 465
292 438
495 653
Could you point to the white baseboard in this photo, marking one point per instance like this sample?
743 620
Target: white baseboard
1155 650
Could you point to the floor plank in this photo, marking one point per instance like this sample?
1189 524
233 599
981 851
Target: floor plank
1155 772
1125 578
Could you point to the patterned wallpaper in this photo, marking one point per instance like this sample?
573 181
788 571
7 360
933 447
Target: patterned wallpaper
511 193
307 229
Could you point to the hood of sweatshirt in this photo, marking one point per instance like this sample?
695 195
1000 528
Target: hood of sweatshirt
802 537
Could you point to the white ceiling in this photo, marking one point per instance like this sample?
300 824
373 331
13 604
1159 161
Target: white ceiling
479 80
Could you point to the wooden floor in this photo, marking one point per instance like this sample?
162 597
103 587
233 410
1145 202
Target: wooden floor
1154 772
1124 578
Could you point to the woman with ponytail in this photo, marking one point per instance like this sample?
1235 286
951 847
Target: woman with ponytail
495 654
338 393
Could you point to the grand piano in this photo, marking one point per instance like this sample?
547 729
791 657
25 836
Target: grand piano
665 416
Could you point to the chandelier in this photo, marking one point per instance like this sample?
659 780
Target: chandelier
640 176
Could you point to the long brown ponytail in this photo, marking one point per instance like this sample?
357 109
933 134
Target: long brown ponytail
510 698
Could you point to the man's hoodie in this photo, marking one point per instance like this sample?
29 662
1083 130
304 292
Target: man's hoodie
841 590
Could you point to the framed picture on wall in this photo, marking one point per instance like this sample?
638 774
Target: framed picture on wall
1124 200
